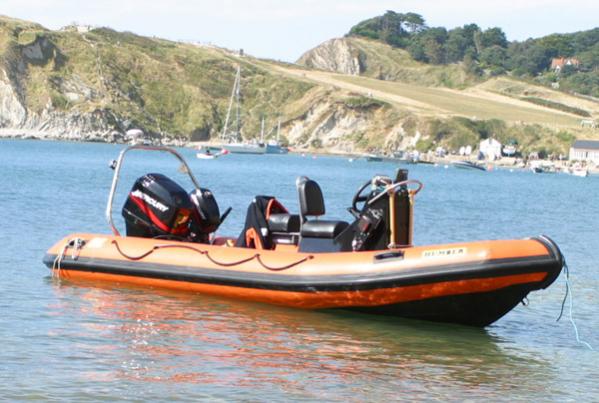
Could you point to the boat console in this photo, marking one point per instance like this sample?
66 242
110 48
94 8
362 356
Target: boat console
157 207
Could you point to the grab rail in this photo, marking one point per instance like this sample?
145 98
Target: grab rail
393 187
116 165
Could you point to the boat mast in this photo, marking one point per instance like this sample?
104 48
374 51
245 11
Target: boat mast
238 106
262 131
278 130
234 94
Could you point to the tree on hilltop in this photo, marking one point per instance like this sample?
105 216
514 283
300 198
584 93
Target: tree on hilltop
488 52
493 37
391 28
414 22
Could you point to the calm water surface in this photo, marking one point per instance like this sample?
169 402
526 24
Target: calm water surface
65 341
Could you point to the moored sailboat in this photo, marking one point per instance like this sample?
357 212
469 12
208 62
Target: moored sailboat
233 141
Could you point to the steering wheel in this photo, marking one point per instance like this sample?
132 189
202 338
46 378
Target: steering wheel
359 197
377 181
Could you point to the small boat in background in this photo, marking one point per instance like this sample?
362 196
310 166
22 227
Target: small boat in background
468 165
581 172
578 170
426 162
210 152
245 148
274 146
541 167
374 158
397 157
137 137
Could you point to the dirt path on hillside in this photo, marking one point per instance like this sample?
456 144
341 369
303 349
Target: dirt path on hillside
474 102
494 86
504 99
329 79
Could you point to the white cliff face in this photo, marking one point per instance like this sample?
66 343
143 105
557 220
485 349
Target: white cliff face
17 121
329 124
52 125
338 128
336 55
12 112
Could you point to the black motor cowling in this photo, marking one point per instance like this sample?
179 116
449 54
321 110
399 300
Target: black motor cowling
158 207
206 216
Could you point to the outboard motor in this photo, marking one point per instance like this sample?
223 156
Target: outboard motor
158 207
206 215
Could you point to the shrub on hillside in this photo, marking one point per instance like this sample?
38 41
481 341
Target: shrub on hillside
558 106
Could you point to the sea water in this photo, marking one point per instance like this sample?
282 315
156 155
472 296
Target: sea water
64 341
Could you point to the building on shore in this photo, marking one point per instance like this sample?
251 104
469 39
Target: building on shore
76 27
585 150
137 137
490 149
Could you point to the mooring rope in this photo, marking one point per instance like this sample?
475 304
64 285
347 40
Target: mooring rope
77 244
206 253
570 294
58 260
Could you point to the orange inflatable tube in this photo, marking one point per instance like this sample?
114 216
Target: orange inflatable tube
471 283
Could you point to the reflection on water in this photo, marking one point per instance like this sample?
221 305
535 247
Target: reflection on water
165 337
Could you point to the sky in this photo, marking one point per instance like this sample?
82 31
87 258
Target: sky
283 30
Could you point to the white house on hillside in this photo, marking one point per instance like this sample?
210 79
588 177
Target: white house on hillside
585 150
490 148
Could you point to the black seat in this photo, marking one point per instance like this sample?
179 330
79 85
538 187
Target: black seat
323 228
284 223
284 228
310 198
312 204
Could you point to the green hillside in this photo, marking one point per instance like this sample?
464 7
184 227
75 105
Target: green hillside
178 89
69 83
385 62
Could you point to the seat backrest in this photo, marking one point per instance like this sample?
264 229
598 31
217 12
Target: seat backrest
284 228
310 198
284 223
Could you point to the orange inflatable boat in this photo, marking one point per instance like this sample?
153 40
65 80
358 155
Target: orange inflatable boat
300 261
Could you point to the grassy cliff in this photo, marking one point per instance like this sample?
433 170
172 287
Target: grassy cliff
63 80
450 105
176 89
385 62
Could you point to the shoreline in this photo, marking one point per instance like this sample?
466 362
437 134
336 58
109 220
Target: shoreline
503 163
